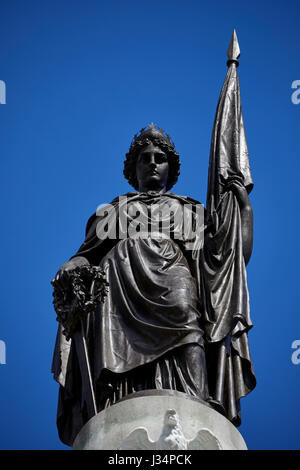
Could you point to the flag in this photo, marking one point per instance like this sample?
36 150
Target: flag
229 158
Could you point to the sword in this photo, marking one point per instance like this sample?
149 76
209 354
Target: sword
85 370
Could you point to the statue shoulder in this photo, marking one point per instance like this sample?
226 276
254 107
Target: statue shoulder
186 199
94 218
128 195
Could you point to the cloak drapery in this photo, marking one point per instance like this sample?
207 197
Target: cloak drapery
162 296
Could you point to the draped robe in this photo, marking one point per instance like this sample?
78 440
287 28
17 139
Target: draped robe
163 295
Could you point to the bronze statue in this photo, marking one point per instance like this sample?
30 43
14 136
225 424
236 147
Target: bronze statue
171 309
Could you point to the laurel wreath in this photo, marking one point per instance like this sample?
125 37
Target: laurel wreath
77 293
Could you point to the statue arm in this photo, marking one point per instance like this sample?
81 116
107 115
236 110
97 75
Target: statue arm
246 218
77 259
93 248
69 265
247 231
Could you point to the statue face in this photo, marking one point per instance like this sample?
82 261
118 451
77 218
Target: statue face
152 168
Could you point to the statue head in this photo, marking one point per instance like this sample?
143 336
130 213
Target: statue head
151 144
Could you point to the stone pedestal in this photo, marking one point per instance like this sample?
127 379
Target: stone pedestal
159 420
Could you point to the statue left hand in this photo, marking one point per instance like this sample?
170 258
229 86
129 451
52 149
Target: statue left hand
240 192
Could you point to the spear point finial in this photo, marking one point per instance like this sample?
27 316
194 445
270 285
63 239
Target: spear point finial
233 51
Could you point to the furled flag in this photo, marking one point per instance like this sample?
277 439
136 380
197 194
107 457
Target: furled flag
229 158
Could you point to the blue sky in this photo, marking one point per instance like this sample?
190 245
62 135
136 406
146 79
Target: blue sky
82 77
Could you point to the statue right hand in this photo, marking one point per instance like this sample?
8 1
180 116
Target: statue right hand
69 265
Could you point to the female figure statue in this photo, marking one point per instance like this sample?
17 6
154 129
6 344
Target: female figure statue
176 314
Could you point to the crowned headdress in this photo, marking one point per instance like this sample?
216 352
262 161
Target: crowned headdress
152 132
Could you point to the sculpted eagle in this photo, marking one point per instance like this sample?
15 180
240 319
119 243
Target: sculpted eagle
171 438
